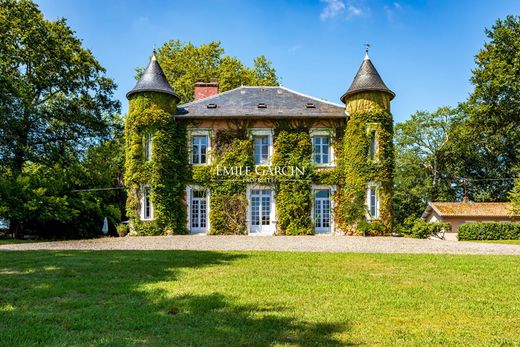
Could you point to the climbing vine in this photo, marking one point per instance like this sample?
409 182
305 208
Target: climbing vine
167 171
358 169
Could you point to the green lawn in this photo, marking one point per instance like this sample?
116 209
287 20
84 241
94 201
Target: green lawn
188 298
508 242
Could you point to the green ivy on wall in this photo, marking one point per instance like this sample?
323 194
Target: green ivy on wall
167 171
367 112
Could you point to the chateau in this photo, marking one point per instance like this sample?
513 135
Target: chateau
259 160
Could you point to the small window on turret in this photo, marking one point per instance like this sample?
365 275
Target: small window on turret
373 145
148 147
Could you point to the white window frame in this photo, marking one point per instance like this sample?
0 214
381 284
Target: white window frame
320 133
148 146
373 127
256 230
375 186
269 134
189 192
332 191
207 134
144 194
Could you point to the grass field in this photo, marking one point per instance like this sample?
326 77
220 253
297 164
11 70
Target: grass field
508 242
188 298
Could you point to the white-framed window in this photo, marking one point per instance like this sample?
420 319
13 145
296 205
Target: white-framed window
200 142
261 214
148 147
322 208
373 149
372 201
322 150
198 209
146 204
262 146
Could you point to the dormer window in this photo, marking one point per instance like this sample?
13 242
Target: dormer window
310 105
262 105
211 105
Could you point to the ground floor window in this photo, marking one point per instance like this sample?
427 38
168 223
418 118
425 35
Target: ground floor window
146 205
322 210
198 209
372 201
261 210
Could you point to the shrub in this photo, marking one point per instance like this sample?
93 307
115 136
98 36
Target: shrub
122 229
423 230
489 231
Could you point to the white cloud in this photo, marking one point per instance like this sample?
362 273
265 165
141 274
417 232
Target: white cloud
336 8
332 9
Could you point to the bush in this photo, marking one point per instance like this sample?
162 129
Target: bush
122 229
489 231
423 230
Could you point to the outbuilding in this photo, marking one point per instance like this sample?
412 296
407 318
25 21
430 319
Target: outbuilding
458 213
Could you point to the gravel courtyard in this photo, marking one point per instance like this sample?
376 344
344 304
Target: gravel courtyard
274 243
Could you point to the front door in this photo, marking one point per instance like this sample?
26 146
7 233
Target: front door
199 211
261 211
322 210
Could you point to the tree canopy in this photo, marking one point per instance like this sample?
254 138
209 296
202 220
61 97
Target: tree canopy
185 64
55 102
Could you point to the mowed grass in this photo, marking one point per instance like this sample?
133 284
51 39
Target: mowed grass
189 298
507 242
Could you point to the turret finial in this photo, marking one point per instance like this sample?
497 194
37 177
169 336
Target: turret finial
367 46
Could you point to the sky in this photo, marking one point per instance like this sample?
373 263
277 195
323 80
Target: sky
424 50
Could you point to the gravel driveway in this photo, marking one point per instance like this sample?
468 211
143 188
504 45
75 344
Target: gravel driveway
275 243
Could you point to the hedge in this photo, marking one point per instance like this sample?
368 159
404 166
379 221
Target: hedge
489 231
423 230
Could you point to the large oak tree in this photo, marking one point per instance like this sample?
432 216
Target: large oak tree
55 101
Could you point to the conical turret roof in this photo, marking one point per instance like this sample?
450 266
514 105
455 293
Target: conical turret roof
153 80
367 80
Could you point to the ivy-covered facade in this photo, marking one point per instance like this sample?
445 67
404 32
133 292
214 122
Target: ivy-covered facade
259 160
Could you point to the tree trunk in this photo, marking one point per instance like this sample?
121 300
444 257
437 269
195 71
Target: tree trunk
15 228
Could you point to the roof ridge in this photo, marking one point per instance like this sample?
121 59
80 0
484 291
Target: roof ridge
312 97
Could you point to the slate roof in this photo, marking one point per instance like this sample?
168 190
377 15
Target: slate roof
153 80
470 209
269 102
367 79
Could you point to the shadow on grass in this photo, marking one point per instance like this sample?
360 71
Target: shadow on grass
110 299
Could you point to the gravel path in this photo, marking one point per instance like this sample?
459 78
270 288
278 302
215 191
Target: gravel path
276 243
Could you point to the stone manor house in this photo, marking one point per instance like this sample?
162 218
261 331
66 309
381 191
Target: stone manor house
258 160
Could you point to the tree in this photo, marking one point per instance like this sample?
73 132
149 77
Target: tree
55 102
184 64
420 173
487 146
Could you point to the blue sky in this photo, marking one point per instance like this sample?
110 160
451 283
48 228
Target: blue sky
424 50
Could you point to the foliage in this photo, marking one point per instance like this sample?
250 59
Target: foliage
165 174
489 231
421 150
122 229
184 64
485 146
515 197
55 101
358 169
293 147
257 299
421 229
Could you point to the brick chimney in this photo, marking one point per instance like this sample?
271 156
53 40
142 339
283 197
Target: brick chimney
205 89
